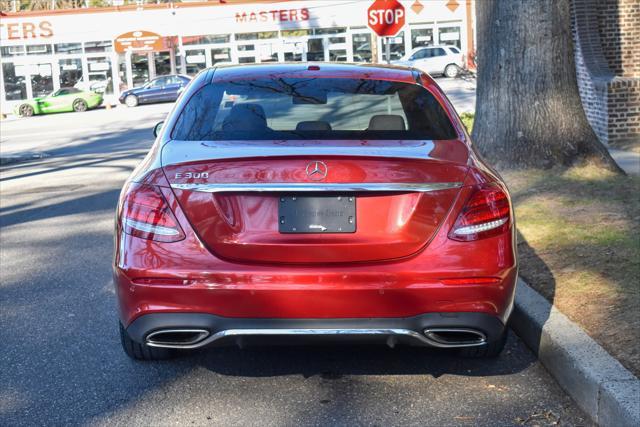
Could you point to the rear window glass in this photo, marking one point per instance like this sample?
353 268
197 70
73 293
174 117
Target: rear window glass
312 108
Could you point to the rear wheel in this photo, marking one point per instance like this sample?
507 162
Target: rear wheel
451 70
25 110
492 349
138 351
80 105
131 101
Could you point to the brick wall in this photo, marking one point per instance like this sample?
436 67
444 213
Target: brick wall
607 50
619 30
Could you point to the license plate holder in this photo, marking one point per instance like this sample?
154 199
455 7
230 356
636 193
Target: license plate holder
317 214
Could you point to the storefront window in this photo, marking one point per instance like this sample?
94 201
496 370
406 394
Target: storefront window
362 47
70 72
162 61
338 55
421 37
195 60
247 60
206 39
100 78
67 48
220 55
15 85
139 68
293 51
336 30
11 50
41 79
295 33
315 50
97 46
122 72
39 49
396 46
257 36
450 36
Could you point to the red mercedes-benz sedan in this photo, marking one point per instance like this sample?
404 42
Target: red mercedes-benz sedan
313 202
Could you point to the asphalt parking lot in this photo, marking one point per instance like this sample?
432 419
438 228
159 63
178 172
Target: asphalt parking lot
61 358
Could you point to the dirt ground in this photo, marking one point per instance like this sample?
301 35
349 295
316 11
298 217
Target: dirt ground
579 246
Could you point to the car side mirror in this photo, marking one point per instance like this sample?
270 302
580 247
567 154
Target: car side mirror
157 128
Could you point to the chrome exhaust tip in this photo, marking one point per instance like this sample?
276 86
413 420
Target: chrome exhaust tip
176 338
455 337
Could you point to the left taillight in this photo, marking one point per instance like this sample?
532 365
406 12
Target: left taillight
487 213
146 214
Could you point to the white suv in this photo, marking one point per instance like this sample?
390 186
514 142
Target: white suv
445 60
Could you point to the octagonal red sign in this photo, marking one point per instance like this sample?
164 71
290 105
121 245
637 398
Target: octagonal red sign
386 17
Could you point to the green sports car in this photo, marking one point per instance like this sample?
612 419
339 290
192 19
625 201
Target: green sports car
64 99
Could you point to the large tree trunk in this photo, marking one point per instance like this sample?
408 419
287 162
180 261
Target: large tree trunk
528 109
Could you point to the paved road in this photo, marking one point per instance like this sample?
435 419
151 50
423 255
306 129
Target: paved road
60 358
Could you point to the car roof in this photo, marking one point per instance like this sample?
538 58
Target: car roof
316 69
443 46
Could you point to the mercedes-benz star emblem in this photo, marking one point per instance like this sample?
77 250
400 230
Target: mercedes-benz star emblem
317 170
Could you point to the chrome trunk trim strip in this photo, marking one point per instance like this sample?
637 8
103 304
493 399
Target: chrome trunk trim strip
318 187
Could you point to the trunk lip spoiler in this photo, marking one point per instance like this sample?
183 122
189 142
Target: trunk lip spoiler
178 151
315 187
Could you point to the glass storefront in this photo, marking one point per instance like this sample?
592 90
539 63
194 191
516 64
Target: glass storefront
15 85
70 71
139 68
396 47
162 63
450 36
195 60
41 79
100 77
421 37
361 44
31 70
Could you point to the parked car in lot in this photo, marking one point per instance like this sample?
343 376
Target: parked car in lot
160 89
59 101
435 60
305 202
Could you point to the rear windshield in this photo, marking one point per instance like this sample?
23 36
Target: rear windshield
312 108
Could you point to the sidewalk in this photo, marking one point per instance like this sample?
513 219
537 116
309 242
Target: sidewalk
627 160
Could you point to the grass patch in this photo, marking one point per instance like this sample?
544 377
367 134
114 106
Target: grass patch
579 245
467 120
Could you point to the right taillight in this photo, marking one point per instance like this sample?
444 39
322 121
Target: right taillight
487 213
146 214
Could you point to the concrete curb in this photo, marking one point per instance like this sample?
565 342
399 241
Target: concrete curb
599 384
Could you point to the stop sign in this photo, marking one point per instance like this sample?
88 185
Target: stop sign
386 17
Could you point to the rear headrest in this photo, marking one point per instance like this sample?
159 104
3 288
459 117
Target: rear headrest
386 122
313 125
243 117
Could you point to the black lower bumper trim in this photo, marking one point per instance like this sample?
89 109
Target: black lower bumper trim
226 330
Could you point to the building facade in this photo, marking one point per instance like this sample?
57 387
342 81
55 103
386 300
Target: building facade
607 52
115 48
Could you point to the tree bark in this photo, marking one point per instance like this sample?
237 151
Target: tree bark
528 108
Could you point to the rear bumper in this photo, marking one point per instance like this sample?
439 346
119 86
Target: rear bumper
443 330
329 293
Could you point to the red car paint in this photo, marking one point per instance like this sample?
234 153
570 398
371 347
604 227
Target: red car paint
231 260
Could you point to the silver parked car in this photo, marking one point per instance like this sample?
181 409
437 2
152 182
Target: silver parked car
445 60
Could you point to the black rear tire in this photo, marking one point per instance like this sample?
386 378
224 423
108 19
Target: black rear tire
492 349
138 351
80 105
